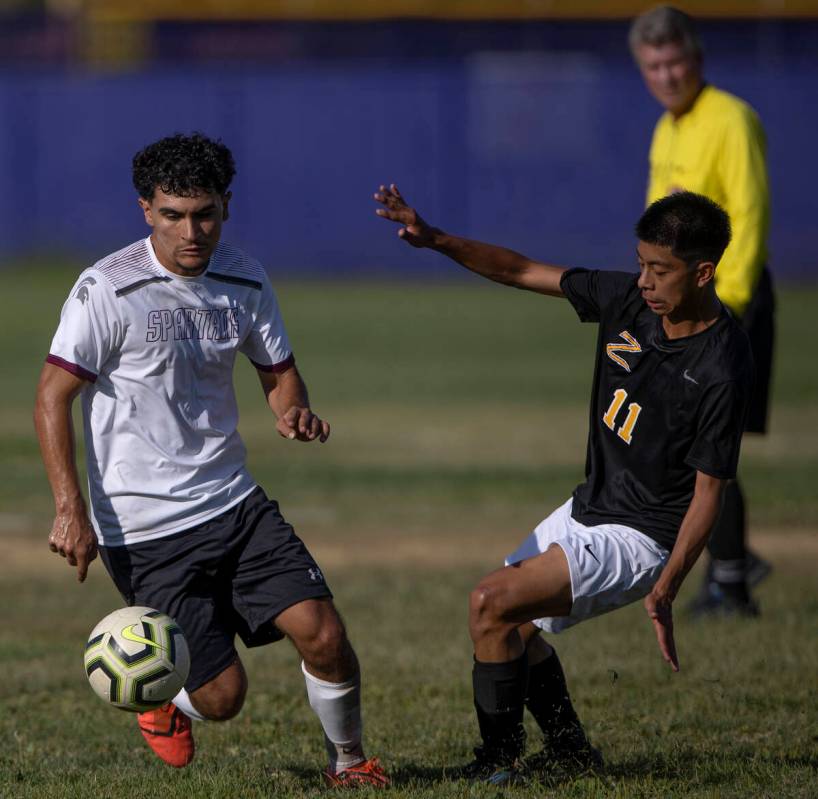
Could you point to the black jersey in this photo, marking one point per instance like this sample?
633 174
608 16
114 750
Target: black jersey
661 409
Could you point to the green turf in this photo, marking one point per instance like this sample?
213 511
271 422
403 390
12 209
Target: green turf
737 721
459 417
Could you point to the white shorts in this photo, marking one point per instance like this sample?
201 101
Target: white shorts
611 565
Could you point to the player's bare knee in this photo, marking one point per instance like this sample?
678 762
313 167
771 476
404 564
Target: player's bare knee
326 647
486 611
222 706
330 642
479 603
222 698
223 709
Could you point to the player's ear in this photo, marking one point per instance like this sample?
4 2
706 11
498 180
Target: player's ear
705 272
225 201
146 209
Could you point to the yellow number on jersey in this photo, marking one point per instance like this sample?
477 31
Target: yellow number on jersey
625 432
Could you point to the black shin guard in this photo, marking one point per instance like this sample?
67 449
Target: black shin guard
549 702
499 697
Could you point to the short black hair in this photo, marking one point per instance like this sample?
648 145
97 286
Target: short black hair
183 166
694 227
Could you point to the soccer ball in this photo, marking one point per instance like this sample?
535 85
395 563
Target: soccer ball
137 659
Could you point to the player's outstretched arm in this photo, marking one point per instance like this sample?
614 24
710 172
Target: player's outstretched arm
287 397
71 533
495 263
698 521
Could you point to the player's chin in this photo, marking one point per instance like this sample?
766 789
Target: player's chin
193 261
659 308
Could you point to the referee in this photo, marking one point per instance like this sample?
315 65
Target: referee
712 143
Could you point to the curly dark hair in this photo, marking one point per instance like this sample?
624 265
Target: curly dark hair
694 227
183 166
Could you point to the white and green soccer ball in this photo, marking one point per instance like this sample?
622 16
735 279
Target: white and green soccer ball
137 659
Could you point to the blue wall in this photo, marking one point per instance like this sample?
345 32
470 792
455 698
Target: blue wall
534 136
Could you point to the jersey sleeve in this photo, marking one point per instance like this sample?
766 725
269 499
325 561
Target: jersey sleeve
722 414
591 292
89 329
267 345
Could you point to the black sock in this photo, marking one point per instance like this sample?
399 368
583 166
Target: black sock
550 704
499 697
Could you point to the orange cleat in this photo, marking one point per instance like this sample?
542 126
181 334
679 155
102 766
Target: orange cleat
169 733
368 773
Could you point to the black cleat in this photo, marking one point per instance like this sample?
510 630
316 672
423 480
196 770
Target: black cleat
564 756
493 768
758 569
713 603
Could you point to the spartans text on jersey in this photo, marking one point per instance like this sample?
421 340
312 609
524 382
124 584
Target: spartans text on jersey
213 324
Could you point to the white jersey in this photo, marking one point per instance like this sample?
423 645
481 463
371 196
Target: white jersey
160 414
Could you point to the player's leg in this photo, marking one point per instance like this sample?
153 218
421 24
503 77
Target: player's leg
333 680
168 730
331 674
565 743
501 602
729 589
725 588
563 573
178 575
508 597
220 699
279 590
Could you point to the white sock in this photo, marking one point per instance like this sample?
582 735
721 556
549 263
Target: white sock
338 707
182 701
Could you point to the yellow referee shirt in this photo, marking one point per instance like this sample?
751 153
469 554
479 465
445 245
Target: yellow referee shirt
718 149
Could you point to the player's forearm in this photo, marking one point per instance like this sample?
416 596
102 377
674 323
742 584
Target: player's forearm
55 432
696 526
290 391
499 263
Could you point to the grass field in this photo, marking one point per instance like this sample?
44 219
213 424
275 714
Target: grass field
459 421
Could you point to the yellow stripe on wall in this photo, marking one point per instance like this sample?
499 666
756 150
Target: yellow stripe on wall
339 10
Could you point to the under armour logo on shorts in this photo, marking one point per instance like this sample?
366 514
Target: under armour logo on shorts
315 575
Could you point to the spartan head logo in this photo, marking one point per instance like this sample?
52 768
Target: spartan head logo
82 290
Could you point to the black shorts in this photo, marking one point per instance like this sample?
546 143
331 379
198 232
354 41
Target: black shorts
759 324
231 575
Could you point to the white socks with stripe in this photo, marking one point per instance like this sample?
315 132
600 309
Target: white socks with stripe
338 707
182 701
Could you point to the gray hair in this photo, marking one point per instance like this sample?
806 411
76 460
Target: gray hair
663 25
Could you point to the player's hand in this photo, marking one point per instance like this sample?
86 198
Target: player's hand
73 538
301 424
414 230
659 608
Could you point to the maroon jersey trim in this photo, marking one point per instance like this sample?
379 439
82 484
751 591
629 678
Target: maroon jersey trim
73 368
281 366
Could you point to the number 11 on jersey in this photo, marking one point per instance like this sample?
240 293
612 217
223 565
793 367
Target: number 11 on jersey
625 432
